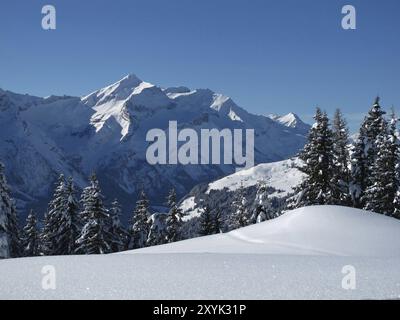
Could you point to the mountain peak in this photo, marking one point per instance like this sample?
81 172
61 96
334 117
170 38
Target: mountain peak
130 78
290 120
119 90
127 83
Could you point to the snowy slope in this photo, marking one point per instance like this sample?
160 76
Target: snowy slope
300 255
319 230
282 176
105 131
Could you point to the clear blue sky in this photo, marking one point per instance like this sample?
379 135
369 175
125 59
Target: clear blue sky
269 56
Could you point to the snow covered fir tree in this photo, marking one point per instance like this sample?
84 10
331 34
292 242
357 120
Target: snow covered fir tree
240 217
139 233
30 236
10 241
364 173
173 220
95 237
318 187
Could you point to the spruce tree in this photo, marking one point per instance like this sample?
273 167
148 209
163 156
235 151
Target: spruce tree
317 156
95 237
396 202
380 195
30 238
10 240
15 244
358 159
50 244
173 220
44 248
206 222
217 221
240 217
4 248
341 161
365 153
263 208
119 235
139 232
5 207
69 226
157 234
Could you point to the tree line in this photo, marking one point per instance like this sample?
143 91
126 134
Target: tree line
86 226
364 174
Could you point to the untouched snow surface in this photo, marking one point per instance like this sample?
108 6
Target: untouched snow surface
300 255
319 230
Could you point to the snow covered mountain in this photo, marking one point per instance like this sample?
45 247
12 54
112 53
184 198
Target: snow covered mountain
105 132
291 120
304 254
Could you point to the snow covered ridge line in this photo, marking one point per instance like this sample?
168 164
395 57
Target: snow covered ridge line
188 153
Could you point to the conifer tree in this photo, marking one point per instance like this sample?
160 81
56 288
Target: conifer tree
69 226
95 237
341 161
119 235
173 220
30 238
317 156
53 219
139 232
4 248
217 221
396 202
358 159
365 153
206 220
380 195
10 241
5 207
157 228
263 208
15 244
240 217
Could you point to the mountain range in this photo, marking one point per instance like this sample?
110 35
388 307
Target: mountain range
105 132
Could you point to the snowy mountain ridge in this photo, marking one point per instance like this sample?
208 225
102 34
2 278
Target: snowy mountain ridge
280 176
291 120
105 132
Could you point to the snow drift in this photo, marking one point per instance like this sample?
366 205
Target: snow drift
300 255
319 230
